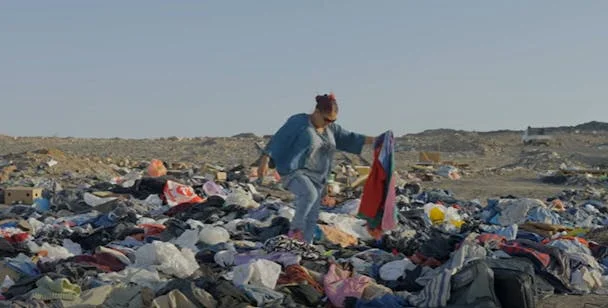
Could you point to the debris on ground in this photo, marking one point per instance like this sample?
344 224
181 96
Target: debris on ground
95 232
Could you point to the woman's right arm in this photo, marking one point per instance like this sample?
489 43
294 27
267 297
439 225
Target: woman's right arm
263 167
274 146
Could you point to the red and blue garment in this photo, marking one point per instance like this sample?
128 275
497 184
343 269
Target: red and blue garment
378 200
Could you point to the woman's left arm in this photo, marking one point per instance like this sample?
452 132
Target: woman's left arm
348 141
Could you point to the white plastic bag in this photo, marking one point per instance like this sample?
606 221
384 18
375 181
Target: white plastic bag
139 276
93 200
214 235
36 225
241 198
287 212
259 272
188 239
213 189
435 213
146 220
54 252
7 283
166 258
177 193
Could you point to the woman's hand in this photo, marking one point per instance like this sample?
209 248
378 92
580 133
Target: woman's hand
263 168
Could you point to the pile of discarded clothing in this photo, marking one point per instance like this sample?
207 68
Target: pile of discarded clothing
194 242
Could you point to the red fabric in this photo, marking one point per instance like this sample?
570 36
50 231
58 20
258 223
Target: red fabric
104 261
422 260
490 238
516 249
373 191
152 229
17 238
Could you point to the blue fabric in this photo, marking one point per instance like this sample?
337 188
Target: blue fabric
510 232
42 205
83 219
348 207
386 301
25 267
262 295
308 197
103 221
529 236
12 224
543 215
318 234
260 214
291 146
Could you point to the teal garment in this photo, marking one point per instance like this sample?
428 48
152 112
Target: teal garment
298 146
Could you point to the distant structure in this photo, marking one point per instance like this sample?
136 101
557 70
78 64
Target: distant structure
536 136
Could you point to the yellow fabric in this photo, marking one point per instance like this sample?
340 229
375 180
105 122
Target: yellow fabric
337 236
174 299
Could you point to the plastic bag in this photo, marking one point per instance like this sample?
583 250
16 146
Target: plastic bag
50 252
212 189
259 272
453 217
42 205
157 168
36 225
435 213
128 180
177 193
449 172
438 214
241 198
166 258
92 200
7 283
139 276
287 212
214 235
188 239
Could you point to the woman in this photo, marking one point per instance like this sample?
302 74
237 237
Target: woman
302 151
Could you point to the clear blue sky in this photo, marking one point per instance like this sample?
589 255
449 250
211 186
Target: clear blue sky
209 68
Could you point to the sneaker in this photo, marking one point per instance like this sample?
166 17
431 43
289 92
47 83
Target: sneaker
296 235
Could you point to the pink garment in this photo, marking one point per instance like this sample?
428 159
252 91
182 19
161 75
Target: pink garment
339 284
213 189
389 221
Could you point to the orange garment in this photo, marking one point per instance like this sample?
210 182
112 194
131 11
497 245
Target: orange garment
152 229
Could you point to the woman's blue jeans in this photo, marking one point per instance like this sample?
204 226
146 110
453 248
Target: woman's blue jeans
308 196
